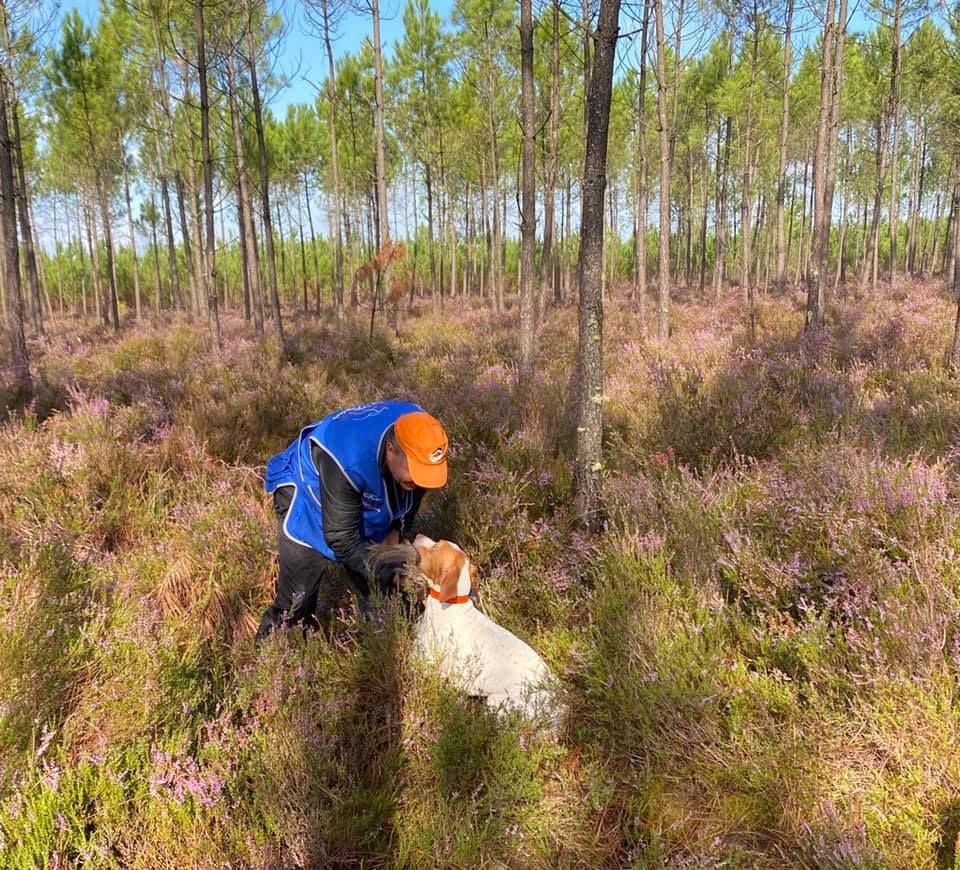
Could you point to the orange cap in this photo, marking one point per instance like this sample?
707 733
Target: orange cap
422 439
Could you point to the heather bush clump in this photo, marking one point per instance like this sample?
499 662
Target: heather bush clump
758 656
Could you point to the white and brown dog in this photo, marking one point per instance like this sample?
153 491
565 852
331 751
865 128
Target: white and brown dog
478 655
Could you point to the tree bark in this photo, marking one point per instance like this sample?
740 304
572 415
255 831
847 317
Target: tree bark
335 172
199 284
589 454
158 289
383 224
640 232
177 174
210 281
885 130
528 218
663 136
175 296
248 242
895 107
496 242
13 295
781 278
133 235
821 217
746 203
264 184
108 239
719 261
548 256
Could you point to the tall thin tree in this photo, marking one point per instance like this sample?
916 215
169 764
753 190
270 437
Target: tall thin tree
663 139
210 277
528 219
264 180
589 456
13 293
781 278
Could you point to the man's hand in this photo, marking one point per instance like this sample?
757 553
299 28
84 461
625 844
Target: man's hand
390 576
388 563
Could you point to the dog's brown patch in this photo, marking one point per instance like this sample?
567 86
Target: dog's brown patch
441 564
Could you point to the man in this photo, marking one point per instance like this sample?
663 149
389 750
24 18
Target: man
351 480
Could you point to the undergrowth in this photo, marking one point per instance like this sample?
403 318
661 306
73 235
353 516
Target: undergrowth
759 656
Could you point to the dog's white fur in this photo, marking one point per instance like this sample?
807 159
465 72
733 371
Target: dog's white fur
478 655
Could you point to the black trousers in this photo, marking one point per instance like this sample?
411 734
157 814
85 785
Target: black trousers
302 569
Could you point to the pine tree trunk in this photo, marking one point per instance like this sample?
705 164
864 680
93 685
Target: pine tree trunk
199 284
781 277
83 223
547 265
719 262
13 294
338 252
895 149
177 175
133 236
663 277
158 288
248 242
841 259
589 453
801 248
746 213
704 209
496 243
210 276
953 357
528 218
821 217
108 239
335 172
486 291
175 295
383 224
640 233
833 134
57 253
950 250
264 185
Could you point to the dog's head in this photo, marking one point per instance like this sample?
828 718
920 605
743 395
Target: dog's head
450 574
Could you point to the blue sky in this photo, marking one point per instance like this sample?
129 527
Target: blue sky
302 59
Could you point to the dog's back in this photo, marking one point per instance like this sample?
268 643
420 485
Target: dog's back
470 648
484 658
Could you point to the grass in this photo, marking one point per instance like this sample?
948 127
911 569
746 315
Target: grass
760 655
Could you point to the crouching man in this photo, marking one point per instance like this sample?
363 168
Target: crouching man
348 482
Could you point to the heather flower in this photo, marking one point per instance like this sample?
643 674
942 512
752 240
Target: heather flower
180 777
50 777
66 457
45 740
652 541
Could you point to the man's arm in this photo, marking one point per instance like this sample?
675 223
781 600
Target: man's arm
342 514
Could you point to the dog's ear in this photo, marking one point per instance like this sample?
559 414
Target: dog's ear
423 542
425 563
450 578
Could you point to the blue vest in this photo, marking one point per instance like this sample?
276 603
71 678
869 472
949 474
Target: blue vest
353 437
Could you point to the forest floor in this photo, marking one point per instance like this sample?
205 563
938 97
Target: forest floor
760 655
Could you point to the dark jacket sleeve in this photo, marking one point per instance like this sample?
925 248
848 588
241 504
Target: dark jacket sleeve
342 514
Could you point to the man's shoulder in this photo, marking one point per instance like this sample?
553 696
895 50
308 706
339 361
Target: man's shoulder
386 412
